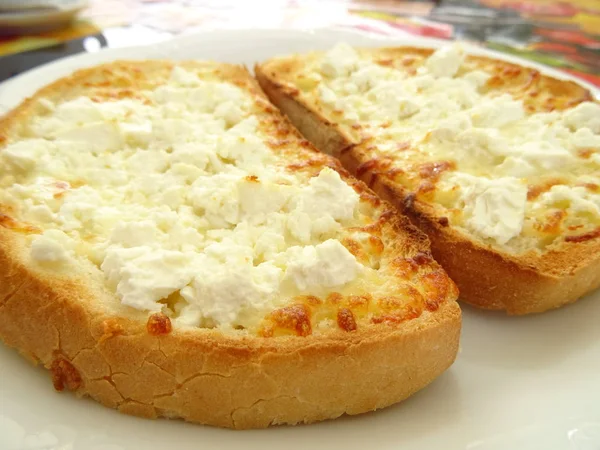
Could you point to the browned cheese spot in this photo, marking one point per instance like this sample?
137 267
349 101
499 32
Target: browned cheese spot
7 221
409 312
592 187
422 259
552 223
294 318
278 143
425 189
159 324
313 162
367 166
64 375
404 268
360 301
376 245
354 247
311 300
433 170
409 201
585 153
535 190
385 62
511 71
437 285
335 298
346 320
584 237
408 61
110 328
402 146
12 224
406 305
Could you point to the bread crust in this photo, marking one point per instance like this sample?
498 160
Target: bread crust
487 277
110 354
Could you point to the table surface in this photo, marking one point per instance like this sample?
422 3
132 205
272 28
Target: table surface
562 34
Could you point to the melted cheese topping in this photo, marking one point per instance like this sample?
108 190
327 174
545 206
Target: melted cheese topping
178 198
502 154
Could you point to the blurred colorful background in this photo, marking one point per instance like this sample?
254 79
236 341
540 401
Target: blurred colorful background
562 34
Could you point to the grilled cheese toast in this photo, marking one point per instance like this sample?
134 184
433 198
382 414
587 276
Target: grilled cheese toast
170 246
496 162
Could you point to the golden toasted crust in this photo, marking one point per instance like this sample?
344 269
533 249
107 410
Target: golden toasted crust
70 322
487 277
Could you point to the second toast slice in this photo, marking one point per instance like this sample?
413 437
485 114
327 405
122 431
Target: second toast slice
496 162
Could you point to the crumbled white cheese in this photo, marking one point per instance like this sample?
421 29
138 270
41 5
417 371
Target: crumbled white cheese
260 198
586 114
497 112
134 234
327 95
545 155
143 275
492 208
477 77
93 136
447 130
367 77
182 77
480 143
576 198
516 166
24 155
136 134
392 102
227 281
180 199
340 60
446 61
216 198
53 246
327 195
584 138
327 265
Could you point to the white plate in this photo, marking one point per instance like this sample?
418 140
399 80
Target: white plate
519 383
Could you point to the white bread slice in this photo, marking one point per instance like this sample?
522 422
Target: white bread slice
393 116
382 323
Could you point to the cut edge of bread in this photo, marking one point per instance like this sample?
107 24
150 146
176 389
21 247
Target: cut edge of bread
204 375
487 278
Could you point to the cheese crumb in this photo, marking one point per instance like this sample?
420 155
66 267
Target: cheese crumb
326 265
493 208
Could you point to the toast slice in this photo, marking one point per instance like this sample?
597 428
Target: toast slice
498 164
171 247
